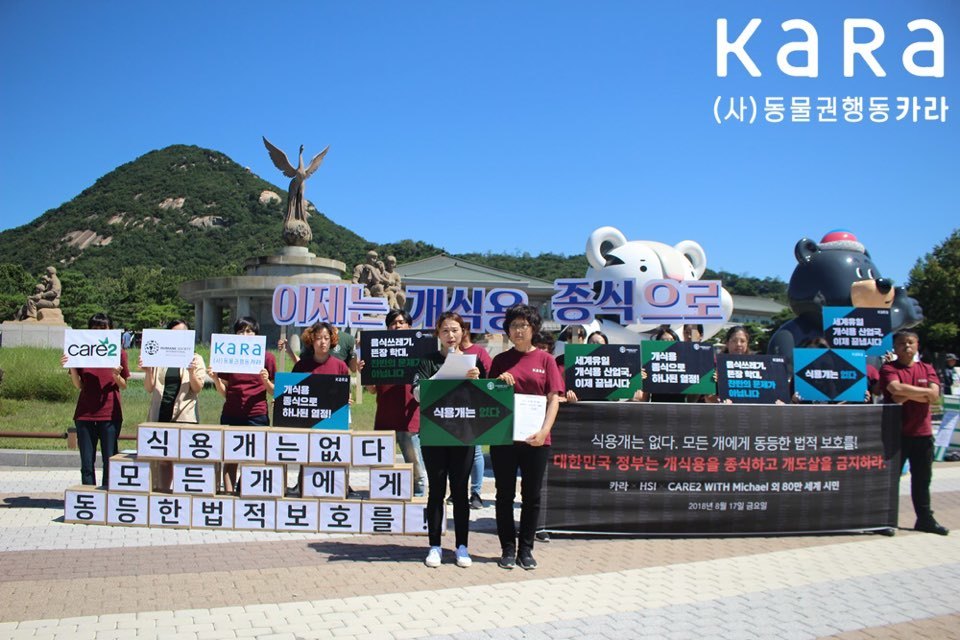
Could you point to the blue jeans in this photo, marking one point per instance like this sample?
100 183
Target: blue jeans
88 433
476 476
409 444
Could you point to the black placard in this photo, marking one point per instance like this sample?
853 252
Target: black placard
602 371
649 469
752 379
393 357
678 367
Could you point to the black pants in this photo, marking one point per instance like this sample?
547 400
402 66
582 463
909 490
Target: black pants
919 451
532 464
107 432
442 463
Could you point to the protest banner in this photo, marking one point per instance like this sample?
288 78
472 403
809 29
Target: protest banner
692 469
866 329
393 357
678 367
311 401
830 375
91 348
231 353
167 348
466 412
753 379
602 371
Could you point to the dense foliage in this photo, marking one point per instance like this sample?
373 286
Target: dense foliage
935 283
153 248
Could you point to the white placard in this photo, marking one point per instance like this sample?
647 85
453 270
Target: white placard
298 515
129 474
167 348
415 519
340 517
255 514
212 513
84 504
382 517
528 414
129 509
92 348
324 482
169 511
455 366
195 477
391 483
230 353
155 441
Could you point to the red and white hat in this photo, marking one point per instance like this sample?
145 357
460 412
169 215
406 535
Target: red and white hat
841 239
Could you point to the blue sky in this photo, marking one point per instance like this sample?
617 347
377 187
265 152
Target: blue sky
493 126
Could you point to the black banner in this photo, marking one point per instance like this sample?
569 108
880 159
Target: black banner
752 379
699 469
858 328
393 357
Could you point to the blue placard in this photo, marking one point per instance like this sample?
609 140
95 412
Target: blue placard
830 375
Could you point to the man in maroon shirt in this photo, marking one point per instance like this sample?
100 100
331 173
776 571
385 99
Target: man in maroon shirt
914 385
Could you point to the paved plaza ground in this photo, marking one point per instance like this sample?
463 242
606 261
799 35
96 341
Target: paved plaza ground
78 581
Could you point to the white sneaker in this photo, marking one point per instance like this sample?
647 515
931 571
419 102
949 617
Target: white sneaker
463 558
433 558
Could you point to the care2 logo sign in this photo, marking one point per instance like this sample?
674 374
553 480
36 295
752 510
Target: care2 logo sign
92 348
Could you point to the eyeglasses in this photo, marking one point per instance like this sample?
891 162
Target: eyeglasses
519 326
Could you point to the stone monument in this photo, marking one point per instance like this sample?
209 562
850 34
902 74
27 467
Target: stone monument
39 321
296 231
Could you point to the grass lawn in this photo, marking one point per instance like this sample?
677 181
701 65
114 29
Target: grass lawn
36 396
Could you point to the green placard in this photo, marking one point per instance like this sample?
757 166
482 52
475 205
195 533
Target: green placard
678 367
465 412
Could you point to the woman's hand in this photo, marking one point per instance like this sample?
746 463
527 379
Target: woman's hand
507 377
570 396
537 439
264 376
360 364
474 374
63 360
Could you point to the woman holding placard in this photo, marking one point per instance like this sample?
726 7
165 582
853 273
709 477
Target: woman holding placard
447 462
532 372
173 397
98 415
245 395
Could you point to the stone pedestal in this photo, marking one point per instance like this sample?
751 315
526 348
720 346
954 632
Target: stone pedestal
33 334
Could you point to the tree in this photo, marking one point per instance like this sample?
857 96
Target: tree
935 283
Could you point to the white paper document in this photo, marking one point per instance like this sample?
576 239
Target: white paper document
455 366
528 414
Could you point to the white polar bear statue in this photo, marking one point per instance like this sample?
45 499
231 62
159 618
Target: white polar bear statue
613 257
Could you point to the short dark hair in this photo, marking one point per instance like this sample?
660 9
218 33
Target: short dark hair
398 313
246 322
573 330
544 340
177 322
606 340
666 331
734 330
522 312
905 333
698 327
100 321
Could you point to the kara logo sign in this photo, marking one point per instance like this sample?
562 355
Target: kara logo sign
237 354
861 38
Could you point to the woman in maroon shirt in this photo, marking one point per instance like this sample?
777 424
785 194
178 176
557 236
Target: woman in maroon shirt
319 339
245 395
98 415
534 372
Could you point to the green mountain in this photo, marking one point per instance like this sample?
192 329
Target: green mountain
181 207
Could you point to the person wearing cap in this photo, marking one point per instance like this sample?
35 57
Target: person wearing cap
950 376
